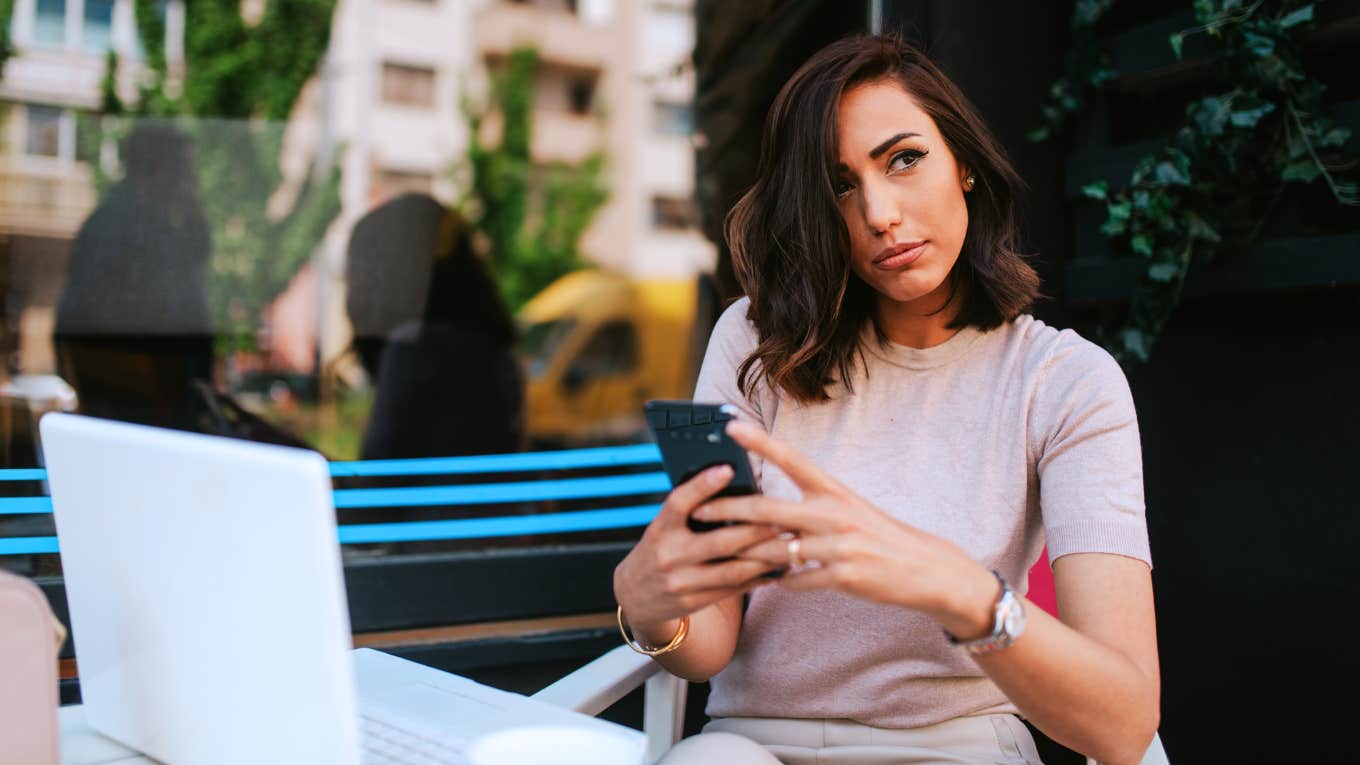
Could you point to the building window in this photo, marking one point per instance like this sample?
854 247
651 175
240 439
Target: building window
396 182
43 131
674 212
672 119
49 22
96 34
580 93
407 85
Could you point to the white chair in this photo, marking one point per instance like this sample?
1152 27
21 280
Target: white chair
596 686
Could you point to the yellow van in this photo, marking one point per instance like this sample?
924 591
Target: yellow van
597 346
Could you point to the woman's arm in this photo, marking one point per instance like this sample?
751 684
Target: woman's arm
674 572
1089 683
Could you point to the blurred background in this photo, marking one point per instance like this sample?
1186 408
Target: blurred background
395 229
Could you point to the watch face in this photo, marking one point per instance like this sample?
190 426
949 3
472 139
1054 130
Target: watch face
1015 620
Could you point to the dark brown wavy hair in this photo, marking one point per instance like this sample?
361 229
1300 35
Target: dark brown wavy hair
790 246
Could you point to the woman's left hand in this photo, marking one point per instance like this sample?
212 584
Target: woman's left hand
850 546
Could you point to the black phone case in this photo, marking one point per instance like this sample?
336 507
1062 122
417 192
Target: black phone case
692 437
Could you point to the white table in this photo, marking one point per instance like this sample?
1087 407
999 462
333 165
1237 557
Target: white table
81 745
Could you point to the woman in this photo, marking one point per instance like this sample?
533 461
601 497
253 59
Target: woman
913 432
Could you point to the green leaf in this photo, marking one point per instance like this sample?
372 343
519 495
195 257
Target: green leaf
1112 227
1305 171
1249 117
1200 229
1298 17
1169 174
1142 244
1176 40
1037 135
1120 210
1163 272
1335 137
1136 341
1097 190
1259 44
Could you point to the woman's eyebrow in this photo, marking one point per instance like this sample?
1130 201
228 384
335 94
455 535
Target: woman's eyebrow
888 144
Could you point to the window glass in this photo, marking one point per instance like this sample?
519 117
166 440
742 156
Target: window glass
407 85
611 350
49 21
538 343
674 212
97 32
395 182
672 119
44 131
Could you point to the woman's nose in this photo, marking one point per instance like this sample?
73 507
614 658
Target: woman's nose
881 209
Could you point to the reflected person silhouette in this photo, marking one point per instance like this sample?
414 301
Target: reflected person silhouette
133 329
431 329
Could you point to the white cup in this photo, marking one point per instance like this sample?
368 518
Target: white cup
556 745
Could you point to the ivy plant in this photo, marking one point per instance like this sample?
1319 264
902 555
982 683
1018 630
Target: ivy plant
531 214
1210 188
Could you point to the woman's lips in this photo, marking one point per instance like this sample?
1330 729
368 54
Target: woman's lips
899 255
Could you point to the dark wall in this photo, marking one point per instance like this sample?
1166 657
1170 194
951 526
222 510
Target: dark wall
1251 439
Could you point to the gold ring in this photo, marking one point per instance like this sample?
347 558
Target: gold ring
796 553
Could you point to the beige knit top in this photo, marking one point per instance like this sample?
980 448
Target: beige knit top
997 441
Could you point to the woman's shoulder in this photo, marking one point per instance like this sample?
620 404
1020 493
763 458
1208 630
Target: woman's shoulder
733 329
1051 352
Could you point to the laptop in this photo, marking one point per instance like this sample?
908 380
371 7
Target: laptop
208 610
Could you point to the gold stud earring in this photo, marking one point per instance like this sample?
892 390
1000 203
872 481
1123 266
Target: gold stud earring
969 182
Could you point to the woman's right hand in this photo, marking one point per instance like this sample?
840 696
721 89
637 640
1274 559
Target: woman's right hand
673 572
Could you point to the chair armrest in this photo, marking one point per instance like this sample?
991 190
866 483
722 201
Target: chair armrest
596 686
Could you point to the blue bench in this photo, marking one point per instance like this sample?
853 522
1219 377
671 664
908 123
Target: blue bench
645 485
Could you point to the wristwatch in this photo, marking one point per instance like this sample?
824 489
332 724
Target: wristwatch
1008 624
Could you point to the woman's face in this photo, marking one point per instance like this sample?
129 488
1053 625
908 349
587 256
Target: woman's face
901 194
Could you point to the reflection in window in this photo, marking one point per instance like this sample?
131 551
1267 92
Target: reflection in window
538 343
44 131
49 22
672 119
97 32
407 85
674 212
611 350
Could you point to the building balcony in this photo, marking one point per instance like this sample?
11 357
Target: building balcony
560 36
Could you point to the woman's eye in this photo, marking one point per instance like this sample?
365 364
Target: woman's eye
842 188
904 160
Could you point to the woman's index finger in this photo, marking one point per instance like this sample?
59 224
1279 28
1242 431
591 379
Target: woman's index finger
796 465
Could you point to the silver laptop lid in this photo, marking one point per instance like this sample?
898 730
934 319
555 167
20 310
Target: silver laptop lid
206 594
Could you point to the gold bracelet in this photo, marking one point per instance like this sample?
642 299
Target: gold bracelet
667 648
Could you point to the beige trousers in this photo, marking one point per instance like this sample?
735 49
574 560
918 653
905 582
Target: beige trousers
767 741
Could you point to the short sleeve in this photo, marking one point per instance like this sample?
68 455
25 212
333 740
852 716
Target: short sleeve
1084 431
732 341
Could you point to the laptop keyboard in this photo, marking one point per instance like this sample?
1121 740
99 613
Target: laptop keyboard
388 745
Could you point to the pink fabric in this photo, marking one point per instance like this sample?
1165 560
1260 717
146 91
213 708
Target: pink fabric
999 441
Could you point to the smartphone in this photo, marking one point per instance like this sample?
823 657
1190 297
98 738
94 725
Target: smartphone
692 437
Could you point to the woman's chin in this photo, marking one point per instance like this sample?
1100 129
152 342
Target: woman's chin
907 289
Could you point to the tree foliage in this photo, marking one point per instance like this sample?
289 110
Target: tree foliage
532 215
1211 187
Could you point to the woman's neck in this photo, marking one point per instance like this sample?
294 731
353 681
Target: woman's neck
921 323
